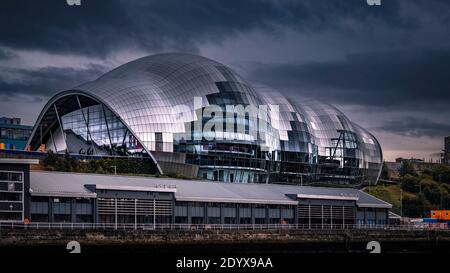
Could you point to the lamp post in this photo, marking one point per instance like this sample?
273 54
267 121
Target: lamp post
440 191
401 204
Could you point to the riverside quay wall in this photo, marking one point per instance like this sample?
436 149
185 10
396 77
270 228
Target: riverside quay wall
235 241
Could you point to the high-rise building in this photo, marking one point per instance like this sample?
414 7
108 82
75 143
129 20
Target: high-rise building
447 150
13 135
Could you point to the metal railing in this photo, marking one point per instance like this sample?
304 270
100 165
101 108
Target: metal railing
195 227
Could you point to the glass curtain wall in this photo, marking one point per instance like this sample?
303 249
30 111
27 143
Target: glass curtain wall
95 130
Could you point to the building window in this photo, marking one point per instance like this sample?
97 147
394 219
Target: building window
10 176
180 220
159 142
84 219
39 217
197 220
260 221
214 220
229 220
274 221
11 196
62 218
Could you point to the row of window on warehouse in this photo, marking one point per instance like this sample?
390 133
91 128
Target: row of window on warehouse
115 210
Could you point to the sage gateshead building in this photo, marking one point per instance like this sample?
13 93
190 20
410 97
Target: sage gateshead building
169 108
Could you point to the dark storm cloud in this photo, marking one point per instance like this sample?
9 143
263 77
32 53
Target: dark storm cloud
97 27
415 127
384 78
6 54
382 72
53 26
44 81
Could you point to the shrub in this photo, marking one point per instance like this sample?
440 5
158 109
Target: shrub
410 184
441 173
416 206
407 168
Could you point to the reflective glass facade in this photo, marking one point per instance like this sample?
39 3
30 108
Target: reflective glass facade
96 130
134 110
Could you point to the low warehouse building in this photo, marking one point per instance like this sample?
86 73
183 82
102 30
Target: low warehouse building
73 197
57 197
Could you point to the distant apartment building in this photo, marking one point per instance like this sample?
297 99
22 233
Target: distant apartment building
393 167
418 164
13 135
446 157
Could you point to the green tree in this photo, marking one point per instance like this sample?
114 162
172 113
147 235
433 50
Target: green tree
50 160
407 168
410 183
441 173
384 171
415 206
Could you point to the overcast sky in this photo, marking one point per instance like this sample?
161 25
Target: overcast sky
387 67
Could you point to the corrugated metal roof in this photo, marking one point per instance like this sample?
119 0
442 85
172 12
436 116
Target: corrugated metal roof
18 161
45 183
327 197
161 188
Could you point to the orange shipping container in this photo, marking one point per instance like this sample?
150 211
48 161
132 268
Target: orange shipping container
443 215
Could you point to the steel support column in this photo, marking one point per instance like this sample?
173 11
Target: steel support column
53 140
61 126
87 125
107 129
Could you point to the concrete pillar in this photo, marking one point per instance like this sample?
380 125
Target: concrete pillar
154 213
94 210
205 213
115 213
309 216
135 214
322 214
188 210
51 216
281 215
252 213
73 210
296 214
375 215
222 214
173 211
365 216
238 216
331 216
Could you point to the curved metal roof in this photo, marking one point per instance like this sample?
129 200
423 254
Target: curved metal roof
143 93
